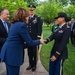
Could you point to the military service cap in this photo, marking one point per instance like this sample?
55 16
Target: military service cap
31 7
62 14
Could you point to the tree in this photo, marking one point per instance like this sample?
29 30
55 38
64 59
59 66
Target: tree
13 5
34 2
49 10
64 2
70 11
72 1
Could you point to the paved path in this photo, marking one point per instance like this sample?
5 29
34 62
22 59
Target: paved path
39 71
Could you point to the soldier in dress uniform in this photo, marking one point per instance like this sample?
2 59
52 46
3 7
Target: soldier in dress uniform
35 31
59 51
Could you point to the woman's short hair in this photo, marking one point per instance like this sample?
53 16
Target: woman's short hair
20 15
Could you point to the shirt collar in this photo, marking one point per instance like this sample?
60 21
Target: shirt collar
32 16
2 20
62 25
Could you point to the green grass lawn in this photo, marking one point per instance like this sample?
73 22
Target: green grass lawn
69 65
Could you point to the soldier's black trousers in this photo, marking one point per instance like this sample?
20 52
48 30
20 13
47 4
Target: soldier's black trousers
32 56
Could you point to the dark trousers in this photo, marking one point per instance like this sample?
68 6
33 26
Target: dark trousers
32 56
56 67
72 38
12 70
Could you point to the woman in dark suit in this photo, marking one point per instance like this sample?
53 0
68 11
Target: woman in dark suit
59 51
12 50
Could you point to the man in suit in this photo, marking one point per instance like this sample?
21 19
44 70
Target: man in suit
35 31
4 25
72 26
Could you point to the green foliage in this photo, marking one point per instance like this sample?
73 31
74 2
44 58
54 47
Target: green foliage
34 2
13 5
49 10
70 11
64 2
72 2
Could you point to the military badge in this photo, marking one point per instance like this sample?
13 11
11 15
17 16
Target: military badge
60 31
35 20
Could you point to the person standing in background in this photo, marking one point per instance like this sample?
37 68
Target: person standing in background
54 27
4 26
72 26
35 31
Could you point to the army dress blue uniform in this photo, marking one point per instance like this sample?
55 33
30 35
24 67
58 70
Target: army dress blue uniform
59 50
35 30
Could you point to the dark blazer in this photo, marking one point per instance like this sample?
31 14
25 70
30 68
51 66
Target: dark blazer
35 27
12 50
3 33
61 37
73 26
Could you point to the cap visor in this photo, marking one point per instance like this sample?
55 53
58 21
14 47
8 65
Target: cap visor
31 8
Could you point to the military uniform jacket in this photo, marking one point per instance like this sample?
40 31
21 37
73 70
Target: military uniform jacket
61 37
35 27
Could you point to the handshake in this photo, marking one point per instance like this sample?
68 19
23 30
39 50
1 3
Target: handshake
42 41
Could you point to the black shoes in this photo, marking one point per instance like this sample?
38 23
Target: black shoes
33 69
28 68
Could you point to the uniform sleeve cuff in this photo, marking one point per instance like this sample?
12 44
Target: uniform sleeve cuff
39 36
57 54
47 40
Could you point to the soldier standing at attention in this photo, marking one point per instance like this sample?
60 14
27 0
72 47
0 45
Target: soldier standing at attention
59 51
35 31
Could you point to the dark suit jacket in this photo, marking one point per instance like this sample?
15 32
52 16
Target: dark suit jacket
73 26
3 33
12 50
61 37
